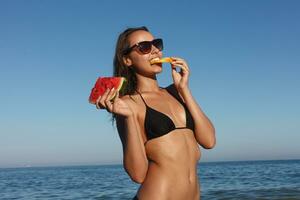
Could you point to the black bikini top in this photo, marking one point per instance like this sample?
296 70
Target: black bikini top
158 124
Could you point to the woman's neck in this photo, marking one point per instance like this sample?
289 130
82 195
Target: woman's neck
146 84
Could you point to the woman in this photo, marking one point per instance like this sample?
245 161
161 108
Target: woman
160 128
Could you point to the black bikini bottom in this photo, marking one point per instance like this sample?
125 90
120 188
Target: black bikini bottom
135 198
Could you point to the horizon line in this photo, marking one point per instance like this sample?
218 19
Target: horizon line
115 164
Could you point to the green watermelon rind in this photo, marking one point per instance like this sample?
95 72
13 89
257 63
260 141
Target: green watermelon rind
121 86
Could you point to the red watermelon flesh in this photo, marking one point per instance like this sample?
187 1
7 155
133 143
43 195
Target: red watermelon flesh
104 83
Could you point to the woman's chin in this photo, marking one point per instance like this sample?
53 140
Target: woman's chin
158 68
158 71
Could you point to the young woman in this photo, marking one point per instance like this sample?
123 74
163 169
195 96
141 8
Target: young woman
160 128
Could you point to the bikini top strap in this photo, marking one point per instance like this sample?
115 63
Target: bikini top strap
142 97
173 91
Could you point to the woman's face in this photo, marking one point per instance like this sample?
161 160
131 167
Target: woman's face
141 62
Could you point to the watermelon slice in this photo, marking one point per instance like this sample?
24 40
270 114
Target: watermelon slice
104 83
162 60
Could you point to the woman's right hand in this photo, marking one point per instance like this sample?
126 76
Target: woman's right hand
115 105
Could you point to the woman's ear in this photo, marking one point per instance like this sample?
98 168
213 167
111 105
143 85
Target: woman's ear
127 61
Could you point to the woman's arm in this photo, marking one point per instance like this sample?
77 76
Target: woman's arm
134 156
204 129
135 161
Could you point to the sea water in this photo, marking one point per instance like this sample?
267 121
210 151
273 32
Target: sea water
219 180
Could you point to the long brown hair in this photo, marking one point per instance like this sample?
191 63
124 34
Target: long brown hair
120 69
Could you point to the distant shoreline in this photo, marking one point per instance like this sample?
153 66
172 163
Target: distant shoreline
119 164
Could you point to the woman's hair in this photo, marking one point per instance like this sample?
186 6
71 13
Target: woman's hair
120 69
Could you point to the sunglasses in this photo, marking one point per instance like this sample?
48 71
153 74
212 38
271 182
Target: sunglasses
145 47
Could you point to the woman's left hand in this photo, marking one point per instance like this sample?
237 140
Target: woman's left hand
180 78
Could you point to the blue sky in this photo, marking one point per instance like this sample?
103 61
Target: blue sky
244 60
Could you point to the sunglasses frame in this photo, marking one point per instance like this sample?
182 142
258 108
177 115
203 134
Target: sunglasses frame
138 46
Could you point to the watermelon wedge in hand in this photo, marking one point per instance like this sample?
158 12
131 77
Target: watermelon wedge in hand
104 83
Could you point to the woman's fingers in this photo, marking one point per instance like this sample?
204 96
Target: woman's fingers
110 100
101 101
98 102
116 95
110 94
180 63
180 78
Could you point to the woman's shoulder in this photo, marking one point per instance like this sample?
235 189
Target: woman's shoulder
131 100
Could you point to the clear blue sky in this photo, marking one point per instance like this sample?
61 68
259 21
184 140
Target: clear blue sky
244 60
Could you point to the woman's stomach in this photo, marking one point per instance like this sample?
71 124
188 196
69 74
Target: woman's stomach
170 183
172 171
178 146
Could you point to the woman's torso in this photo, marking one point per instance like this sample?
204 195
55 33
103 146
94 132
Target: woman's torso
173 157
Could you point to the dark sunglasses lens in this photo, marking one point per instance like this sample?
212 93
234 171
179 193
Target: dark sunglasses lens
145 47
158 43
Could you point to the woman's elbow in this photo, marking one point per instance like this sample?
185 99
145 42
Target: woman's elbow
137 174
207 142
138 178
209 145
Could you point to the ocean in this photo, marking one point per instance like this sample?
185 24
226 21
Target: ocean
219 180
